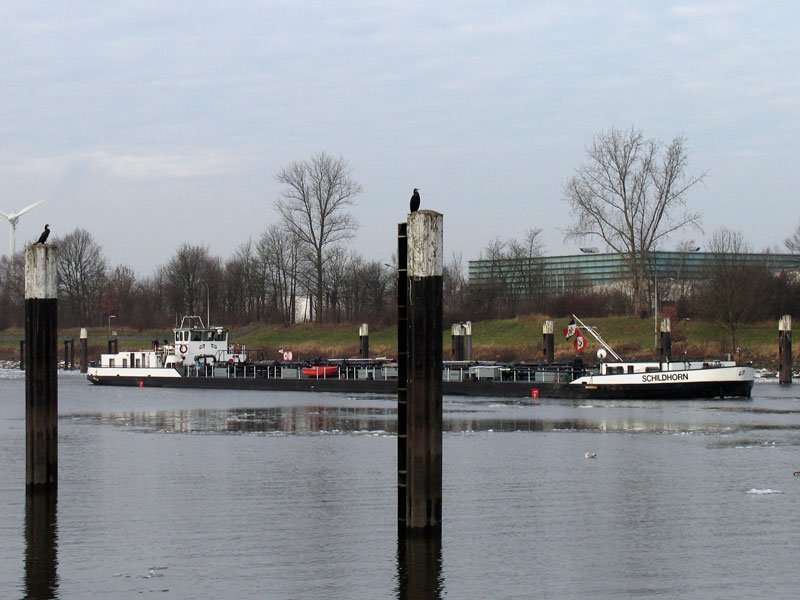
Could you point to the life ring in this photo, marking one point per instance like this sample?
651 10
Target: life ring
233 359
183 348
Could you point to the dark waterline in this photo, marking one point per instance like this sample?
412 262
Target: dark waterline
183 493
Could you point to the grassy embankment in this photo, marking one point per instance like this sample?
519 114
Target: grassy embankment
505 340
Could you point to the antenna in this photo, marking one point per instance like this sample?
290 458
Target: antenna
13 219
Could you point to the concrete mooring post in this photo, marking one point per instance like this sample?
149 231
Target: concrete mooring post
41 359
548 342
423 420
785 349
84 350
363 340
666 340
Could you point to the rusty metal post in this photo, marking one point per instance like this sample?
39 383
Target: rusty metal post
41 375
424 393
785 349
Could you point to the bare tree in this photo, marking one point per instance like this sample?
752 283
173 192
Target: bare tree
82 278
631 194
12 290
793 241
313 203
732 286
191 278
278 253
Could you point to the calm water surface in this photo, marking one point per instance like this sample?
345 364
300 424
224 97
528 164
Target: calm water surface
195 494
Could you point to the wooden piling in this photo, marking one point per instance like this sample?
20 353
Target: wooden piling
424 376
666 340
41 359
84 350
548 342
363 340
785 349
22 355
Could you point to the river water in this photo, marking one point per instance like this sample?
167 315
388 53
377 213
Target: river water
200 494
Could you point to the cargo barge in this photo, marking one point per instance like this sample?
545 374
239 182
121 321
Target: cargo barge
200 356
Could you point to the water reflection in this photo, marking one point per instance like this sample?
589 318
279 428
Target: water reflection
41 545
382 420
320 420
419 567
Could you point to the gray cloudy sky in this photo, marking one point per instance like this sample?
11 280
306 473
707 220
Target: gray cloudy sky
151 123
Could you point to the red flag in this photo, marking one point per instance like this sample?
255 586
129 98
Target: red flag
570 329
580 342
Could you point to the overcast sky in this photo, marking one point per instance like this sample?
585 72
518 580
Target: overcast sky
153 123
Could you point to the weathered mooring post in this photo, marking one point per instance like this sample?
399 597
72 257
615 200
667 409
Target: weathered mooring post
41 359
548 342
422 510
113 346
467 340
666 340
22 355
41 545
363 340
457 341
69 354
84 350
785 349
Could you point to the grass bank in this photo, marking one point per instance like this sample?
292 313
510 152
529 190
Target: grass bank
518 339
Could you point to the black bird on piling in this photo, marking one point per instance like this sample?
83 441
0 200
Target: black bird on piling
45 233
415 200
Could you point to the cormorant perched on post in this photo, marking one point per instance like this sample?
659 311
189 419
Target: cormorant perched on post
45 233
415 200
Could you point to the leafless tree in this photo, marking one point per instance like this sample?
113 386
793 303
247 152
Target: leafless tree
793 241
525 268
278 253
191 279
732 286
314 206
632 193
454 282
82 278
12 290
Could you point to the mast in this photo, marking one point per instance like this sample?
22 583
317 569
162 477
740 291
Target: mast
597 336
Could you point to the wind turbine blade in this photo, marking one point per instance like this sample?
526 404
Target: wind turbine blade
5 215
22 211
